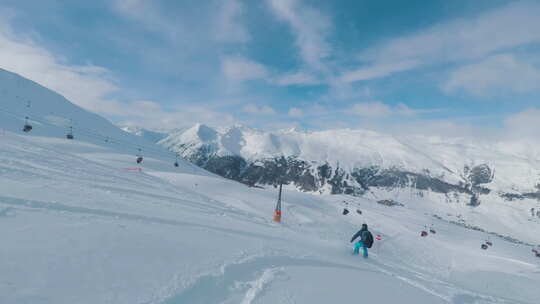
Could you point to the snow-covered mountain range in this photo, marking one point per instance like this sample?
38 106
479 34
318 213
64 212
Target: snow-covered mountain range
359 161
79 225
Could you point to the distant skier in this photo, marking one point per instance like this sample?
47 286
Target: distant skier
365 241
532 212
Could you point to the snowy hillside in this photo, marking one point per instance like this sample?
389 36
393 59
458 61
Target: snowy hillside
51 115
80 226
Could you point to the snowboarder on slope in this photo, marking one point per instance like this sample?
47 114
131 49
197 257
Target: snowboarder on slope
366 240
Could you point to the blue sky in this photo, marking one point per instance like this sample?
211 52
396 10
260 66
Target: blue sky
437 67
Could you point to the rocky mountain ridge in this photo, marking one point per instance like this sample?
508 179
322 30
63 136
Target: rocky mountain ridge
355 162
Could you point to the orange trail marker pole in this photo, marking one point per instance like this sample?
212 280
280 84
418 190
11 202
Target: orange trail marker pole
277 212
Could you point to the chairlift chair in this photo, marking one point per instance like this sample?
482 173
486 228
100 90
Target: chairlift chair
484 246
139 157
27 127
69 135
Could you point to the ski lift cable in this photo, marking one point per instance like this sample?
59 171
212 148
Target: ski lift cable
93 134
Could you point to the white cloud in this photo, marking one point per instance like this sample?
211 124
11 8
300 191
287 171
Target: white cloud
87 86
501 28
298 78
372 109
465 39
147 14
296 113
240 69
151 115
90 86
499 72
227 27
377 71
309 26
377 109
523 124
262 110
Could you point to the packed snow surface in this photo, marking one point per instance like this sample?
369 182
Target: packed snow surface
80 225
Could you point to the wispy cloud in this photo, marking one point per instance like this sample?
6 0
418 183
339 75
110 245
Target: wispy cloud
228 27
309 26
471 39
296 113
298 78
258 110
91 86
151 115
495 30
494 75
524 124
378 70
377 109
238 68
88 86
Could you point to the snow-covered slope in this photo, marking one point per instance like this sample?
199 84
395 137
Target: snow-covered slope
51 115
77 227
77 230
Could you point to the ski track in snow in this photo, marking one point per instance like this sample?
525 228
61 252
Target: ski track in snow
215 288
258 285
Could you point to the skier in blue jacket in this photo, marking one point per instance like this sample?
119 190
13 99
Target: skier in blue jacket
365 242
